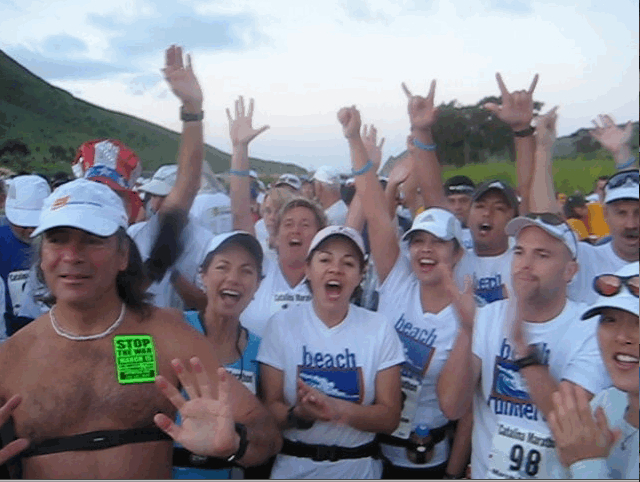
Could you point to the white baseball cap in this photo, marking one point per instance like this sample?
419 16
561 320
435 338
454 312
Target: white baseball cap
290 180
83 204
334 230
623 300
162 181
439 222
551 223
242 237
327 175
622 185
25 198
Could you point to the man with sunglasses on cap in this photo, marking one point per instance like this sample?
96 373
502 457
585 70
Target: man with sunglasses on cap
517 352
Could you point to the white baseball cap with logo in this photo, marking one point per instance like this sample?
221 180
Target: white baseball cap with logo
290 180
25 198
162 181
334 230
327 175
86 205
551 223
439 222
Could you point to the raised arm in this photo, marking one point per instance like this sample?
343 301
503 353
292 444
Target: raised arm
399 175
615 140
516 110
184 85
422 116
241 133
384 241
542 198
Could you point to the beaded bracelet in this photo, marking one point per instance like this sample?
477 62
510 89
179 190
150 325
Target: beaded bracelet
424 147
367 167
235 172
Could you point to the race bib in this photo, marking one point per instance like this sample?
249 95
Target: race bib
411 387
521 453
16 282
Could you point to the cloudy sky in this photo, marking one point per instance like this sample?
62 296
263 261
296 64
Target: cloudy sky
303 60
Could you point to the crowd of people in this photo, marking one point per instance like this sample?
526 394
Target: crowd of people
321 327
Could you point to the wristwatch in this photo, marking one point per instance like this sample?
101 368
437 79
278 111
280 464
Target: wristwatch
242 446
296 422
189 117
525 132
532 358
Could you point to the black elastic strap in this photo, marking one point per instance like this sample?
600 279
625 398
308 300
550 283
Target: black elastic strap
183 458
437 435
101 439
333 453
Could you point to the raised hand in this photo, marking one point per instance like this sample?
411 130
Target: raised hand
463 301
181 78
422 113
517 107
612 137
349 118
240 130
208 427
577 433
546 129
13 448
315 405
374 150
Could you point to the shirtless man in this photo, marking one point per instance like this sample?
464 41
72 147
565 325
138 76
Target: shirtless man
77 372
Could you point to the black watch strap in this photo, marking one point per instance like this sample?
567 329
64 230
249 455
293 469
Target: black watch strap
189 117
525 132
242 446
532 358
296 422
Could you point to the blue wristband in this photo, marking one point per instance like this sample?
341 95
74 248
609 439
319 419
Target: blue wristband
629 163
234 172
367 167
424 147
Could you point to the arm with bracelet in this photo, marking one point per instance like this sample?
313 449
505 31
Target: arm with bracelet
516 110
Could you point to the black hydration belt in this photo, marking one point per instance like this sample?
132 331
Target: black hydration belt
183 458
333 453
101 439
437 435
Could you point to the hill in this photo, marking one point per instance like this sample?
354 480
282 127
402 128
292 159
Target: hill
52 123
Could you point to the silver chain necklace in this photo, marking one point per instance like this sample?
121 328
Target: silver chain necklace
58 329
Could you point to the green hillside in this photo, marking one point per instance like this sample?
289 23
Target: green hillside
52 123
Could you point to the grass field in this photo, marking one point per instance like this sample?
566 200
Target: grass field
570 175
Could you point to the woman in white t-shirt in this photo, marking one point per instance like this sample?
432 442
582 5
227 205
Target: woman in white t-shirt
600 440
330 370
296 224
415 296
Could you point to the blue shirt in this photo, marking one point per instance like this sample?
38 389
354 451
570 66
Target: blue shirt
15 260
244 369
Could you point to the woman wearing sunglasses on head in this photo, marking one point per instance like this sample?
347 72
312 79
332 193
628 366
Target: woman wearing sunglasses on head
330 371
599 440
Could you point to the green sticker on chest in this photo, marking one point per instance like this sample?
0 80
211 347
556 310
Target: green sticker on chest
135 359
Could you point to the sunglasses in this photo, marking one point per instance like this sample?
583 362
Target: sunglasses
611 284
622 178
547 218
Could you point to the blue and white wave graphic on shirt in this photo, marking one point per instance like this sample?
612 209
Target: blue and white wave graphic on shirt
508 383
417 355
343 383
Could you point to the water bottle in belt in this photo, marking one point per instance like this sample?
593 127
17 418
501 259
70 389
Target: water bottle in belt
419 452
